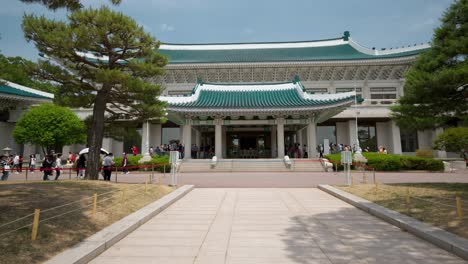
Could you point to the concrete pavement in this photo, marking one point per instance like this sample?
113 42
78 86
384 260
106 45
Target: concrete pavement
269 226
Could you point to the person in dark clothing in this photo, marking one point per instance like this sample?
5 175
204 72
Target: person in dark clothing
80 166
47 167
107 166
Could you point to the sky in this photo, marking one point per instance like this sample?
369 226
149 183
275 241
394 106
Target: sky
372 23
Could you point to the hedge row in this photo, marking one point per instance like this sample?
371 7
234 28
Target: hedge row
390 162
156 160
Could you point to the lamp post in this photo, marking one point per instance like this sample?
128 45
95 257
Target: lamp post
358 148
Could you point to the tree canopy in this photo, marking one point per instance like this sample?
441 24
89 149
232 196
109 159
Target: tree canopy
101 59
49 126
433 92
20 71
454 140
68 4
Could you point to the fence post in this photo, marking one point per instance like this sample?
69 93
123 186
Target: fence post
70 172
152 173
35 226
116 173
352 180
459 209
408 199
164 170
146 185
27 174
94 204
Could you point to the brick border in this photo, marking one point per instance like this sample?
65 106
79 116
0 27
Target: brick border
441 238
94 245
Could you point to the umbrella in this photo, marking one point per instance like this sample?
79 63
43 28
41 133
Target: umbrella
86 150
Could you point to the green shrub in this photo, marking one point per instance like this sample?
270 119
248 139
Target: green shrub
384 162
156 160
335 159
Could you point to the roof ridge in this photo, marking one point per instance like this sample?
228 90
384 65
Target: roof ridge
247 43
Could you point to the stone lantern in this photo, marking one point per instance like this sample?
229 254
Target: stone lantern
7 151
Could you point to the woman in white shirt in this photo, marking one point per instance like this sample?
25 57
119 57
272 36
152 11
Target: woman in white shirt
58 166
32 163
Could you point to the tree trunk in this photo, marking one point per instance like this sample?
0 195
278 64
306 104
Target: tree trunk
95 136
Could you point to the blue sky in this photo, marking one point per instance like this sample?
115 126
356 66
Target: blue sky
372 23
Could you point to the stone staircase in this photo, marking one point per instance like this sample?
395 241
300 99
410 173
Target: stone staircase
249 165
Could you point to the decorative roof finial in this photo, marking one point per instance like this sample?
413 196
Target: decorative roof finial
296 79
346 35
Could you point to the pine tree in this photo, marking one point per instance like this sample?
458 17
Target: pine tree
104 60
435 89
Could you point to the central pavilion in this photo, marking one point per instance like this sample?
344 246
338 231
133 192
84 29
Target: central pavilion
248 120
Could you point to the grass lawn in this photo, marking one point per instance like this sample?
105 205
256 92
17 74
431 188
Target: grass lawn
56 234
433 203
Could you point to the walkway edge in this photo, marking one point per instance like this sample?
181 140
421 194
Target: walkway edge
102 240
441 238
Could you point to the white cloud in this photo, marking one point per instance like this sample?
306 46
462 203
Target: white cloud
166 28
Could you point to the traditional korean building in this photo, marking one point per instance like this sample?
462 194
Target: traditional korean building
267 96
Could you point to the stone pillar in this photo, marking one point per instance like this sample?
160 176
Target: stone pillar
342 133
280 135
312 139
187 140
224 140
352 132
155 135
218 139
395 138
145 139
438 153
274 148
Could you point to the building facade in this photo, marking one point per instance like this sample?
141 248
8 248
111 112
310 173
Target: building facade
324 67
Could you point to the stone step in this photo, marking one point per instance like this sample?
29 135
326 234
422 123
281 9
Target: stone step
260 165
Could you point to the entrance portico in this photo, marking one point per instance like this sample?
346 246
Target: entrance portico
252 120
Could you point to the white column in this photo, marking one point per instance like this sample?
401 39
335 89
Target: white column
438 153
274 153
352 132
224 140
145 139
342 133
155 135
187 140
312 139
396 138
181 134
218 139
280 135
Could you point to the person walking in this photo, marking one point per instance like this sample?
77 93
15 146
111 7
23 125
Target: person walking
20 164
107 166
32 163
80 166
124 163
16 163
47 167
58 166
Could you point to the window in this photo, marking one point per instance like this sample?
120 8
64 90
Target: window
383 89
367 137
344 90
317 90
409 140
383 96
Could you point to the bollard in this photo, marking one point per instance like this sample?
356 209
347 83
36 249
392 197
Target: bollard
152 173
94 204
408 199
373 172
116 173
459 209
35 226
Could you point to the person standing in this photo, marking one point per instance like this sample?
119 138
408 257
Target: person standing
107 166
5 164
124 163
151 151
80 166
58 166
32 163
134 150
47 167
16 163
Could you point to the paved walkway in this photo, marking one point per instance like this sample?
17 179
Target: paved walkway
269 226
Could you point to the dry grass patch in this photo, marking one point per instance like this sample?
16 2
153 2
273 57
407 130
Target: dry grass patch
76 221
433 203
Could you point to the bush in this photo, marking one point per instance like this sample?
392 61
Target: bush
156 160
391 162
425 153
